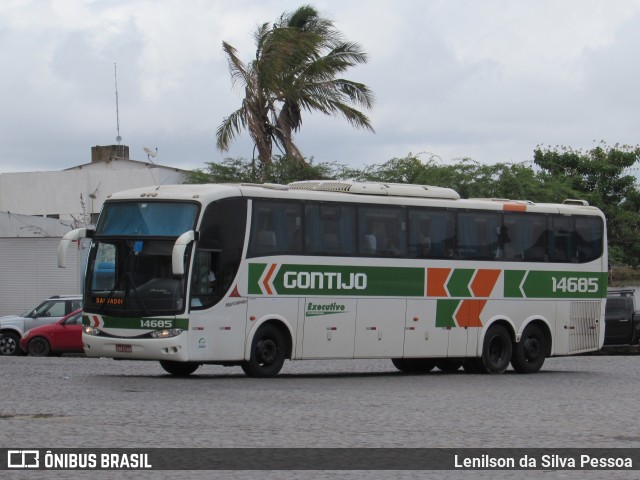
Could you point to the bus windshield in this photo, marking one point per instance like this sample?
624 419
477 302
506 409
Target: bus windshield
134 276
129 269
147 219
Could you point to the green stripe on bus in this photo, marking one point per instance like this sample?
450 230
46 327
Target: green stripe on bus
444 313
512 281
255 272
138 323
350 280
540 284
336 280
458 284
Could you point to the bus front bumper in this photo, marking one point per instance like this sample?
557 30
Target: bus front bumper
174 348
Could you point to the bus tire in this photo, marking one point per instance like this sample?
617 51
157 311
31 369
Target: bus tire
530 352
414 365
449 365
179 369
496 349
39 347
268 352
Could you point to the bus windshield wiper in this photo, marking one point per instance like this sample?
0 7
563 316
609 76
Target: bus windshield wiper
136 294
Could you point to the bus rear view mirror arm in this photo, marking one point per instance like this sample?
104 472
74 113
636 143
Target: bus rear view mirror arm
69 237
177 256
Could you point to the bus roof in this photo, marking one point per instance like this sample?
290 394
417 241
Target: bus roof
350 191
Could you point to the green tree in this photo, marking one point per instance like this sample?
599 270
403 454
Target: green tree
601 176
471 179
282 170
296 68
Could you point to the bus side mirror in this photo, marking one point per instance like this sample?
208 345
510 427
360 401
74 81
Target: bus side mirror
69 237
177 256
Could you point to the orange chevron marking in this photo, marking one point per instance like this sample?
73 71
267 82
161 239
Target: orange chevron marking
436 278
468 315
267 278
484 281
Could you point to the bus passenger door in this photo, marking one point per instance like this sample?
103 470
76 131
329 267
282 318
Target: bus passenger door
329 328
380 328
423 336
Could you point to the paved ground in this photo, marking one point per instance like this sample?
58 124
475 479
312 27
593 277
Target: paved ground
580 402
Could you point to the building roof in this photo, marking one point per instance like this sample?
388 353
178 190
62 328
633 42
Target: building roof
117 163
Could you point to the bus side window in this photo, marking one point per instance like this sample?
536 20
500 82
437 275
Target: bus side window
384 227
590 231
431 233
204 281
528 237
275 228
561 241
329 229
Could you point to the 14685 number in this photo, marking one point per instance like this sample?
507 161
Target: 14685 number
575 284
155 323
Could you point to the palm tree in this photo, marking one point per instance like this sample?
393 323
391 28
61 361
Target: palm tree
295 68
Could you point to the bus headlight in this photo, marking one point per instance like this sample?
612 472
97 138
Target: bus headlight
91 330
166 333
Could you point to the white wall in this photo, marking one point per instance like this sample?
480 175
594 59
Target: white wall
30 272
46 193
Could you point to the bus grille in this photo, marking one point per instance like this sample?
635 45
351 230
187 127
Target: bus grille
584 326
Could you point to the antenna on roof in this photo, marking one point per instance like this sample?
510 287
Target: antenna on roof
115 74
150 153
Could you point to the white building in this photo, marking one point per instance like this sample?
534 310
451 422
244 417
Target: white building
28 256
77 193
67 199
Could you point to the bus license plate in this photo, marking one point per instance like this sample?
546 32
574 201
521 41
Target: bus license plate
123 348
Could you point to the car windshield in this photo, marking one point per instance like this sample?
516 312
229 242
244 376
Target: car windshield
74 319
42 310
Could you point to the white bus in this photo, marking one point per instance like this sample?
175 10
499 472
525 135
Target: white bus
252 275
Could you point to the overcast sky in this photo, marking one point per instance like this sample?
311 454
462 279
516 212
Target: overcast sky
486 79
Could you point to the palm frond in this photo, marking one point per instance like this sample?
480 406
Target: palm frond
230 128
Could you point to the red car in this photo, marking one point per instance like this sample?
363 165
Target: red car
64 336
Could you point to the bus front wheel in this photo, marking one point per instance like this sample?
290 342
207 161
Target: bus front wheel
496 349
267 353
179 369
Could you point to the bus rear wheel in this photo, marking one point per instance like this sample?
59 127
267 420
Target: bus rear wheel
179 369
267 353
530 352
414 365
496 349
